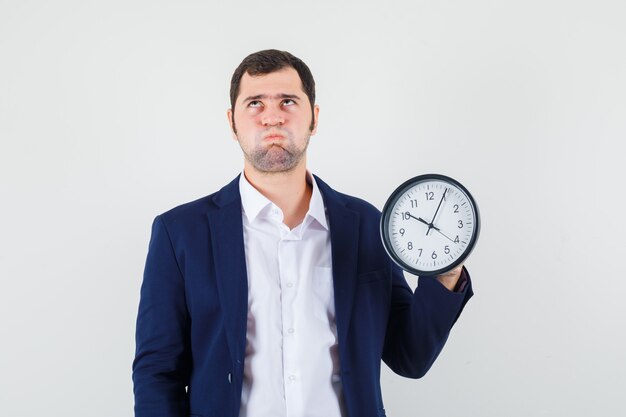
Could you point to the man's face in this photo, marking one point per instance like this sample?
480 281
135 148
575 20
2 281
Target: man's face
272 120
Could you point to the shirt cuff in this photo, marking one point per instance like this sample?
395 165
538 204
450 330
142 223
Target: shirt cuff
462 282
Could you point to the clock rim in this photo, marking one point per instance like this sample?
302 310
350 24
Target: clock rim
386 213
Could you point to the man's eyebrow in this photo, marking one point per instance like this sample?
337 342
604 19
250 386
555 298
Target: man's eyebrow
277 96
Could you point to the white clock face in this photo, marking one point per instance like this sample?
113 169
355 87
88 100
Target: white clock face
431 226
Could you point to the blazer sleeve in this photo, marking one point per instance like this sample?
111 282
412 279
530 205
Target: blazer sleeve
161 366
420 322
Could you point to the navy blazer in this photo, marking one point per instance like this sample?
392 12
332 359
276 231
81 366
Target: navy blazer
192 320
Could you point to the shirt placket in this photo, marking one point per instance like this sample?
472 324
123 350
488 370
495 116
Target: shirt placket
288 278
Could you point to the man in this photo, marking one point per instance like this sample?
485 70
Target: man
274 297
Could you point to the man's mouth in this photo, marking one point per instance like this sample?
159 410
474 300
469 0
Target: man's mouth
273 136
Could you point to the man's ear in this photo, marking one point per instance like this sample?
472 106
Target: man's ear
231 123
316 111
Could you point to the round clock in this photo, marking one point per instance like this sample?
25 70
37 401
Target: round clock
430 224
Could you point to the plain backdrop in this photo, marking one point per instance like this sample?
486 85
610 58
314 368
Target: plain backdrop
112 112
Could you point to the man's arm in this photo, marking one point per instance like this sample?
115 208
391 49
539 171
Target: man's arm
162 359
419 323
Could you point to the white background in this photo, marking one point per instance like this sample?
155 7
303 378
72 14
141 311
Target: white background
112 112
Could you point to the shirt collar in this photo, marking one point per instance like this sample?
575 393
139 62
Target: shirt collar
253 202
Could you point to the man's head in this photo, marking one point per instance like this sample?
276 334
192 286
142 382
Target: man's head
273 114
268 61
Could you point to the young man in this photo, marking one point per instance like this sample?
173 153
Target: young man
274 297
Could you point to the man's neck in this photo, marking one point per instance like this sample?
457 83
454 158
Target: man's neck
288 190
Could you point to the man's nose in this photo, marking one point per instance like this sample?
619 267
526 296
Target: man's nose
272 117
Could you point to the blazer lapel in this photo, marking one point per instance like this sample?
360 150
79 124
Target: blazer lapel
230 265
344 240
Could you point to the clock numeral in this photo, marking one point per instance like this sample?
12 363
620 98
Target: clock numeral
434 255
456 208
419 256
409 246
456 239
430 195
406 215
402 233
413 203
460 224
447 249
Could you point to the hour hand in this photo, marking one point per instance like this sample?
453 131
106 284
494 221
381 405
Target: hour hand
419 219
423 221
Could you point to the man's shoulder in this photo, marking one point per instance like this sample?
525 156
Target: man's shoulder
190 208
361 205
199 208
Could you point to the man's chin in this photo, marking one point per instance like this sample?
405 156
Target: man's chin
275 166
274 160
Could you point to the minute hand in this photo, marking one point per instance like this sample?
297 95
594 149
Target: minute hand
432 222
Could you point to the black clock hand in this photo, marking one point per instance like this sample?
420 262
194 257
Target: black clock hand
420 219
436 211
430 226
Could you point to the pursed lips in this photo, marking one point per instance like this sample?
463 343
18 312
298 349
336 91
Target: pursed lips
273 136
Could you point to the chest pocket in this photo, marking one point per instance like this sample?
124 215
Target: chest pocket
324 292
373 276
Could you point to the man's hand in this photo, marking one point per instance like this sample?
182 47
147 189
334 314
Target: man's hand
450 278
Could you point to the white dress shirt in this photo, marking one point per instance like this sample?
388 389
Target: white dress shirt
292 359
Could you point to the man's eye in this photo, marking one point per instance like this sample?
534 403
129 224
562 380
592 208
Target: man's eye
288 102
254 103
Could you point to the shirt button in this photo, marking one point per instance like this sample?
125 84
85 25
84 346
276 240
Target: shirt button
291 330
289 284
292 377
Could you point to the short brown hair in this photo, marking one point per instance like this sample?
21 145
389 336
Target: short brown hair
268 61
